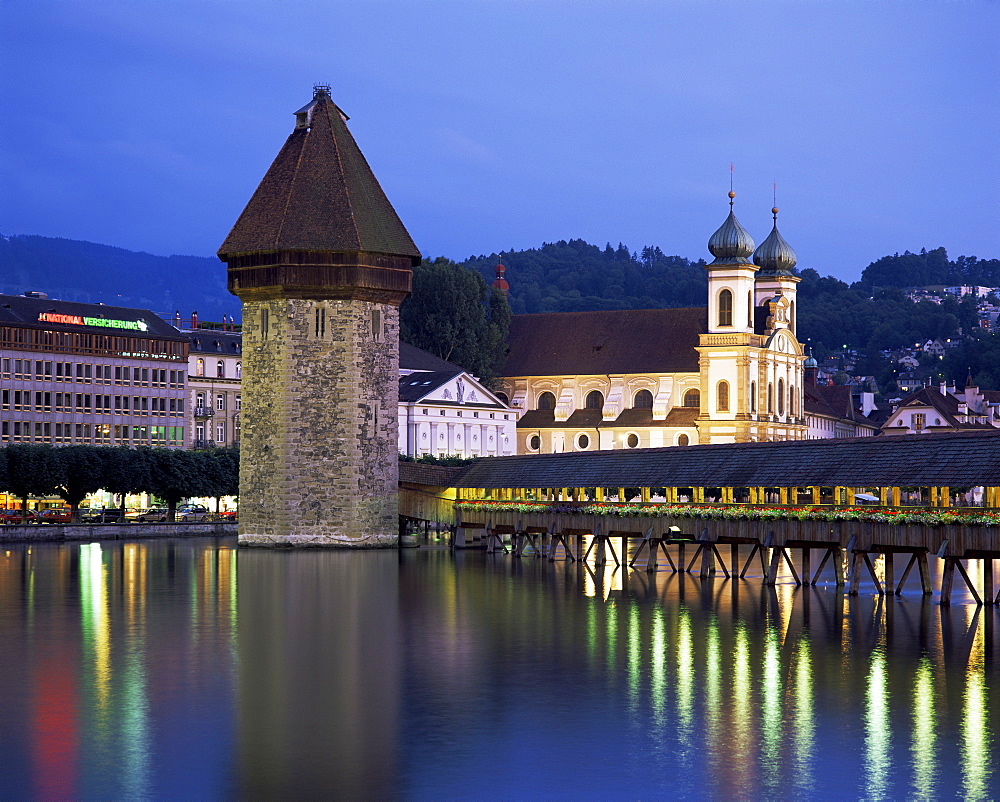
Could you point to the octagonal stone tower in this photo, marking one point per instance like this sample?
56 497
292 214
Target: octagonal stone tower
321 262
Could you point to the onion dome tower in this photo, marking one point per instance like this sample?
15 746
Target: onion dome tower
500 282
321 262
731 277
775 278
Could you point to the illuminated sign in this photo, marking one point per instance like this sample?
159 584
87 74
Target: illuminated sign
107 323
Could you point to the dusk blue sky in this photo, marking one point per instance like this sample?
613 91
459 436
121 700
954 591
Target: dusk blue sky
502 125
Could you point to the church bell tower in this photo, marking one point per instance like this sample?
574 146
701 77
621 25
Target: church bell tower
321 263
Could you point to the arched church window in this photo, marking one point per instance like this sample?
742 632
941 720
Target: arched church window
692 398
770 398
726 308
791 400
791 316
643 400
722 396
750 310
503 397
781 396
753 396
683 440
595 400
546 401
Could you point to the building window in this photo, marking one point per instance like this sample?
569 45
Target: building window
546 401
534 442
582 442
643 400
595 400
683 440
220 433
239 370
725 308
770 398
722 396
753 396
199 400
503 397
750 310
377 325
220 401
220 369
692 398
781 396
919 421
199 367
632 441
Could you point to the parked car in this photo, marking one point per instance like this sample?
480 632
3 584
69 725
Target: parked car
16 517
101 516
192 513
152 515
55 515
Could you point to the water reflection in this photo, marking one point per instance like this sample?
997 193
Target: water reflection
183 669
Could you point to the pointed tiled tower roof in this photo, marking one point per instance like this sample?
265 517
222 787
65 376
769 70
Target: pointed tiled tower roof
319 225
320 195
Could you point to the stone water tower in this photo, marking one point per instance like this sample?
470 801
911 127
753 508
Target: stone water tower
321 262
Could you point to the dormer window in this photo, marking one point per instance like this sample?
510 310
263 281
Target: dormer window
302 119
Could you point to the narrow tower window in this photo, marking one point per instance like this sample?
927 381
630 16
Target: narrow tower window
320 328
781 396
750 310
725 308
377 325
265 323
753 396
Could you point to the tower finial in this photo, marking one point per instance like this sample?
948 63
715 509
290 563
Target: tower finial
731 193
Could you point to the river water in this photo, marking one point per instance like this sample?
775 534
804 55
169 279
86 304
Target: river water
186 669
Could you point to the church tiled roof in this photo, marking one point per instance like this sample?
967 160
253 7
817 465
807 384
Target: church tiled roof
320 195
596 343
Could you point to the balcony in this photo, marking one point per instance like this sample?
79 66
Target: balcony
204 412
199 444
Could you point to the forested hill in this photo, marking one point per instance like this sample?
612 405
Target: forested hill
72 270
575 276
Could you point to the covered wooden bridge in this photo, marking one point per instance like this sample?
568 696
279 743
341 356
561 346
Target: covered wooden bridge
870 482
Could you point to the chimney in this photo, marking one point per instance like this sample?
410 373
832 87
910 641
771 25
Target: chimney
194 320
177 318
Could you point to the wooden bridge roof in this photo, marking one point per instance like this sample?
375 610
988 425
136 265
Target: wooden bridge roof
964 459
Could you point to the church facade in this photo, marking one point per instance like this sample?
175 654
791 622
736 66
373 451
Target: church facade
731 372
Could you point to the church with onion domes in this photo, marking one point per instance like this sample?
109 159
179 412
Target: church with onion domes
729 372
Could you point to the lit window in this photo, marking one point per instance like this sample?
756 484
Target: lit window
722 396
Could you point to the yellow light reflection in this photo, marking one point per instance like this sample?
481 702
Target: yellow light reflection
634 649
878 739
771 708
658 663
976 737
805 726
741 735
685 674
924 726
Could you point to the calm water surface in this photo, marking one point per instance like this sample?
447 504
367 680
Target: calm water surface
183 669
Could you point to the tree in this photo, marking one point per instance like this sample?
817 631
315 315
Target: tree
450 314
33 470
82 474
175 475
126 472
221 473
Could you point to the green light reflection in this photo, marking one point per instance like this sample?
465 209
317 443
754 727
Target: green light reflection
771 708
976 737
658 662
878 740
924 724
634 649
805 726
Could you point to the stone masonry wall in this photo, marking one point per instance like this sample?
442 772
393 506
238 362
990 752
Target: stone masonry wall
319 432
